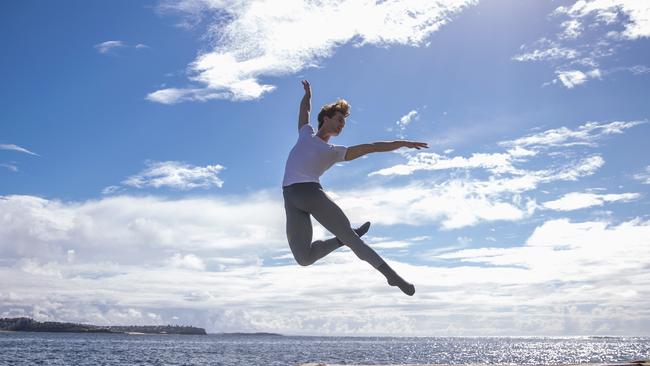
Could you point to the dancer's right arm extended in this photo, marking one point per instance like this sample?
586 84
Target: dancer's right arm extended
363 149
305 105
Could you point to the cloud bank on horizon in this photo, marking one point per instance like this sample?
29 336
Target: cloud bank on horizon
219 258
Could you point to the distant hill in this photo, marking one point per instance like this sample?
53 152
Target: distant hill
30 325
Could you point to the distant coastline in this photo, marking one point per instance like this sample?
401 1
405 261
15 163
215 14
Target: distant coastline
259 334
31 325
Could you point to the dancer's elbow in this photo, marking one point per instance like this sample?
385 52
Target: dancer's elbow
357 151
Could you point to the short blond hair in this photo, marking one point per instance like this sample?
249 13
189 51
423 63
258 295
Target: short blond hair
330 110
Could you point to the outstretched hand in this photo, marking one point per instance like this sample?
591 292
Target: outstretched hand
415 145
305 84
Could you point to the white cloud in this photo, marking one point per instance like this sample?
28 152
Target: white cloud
578 251
459 201
638 69
405 120
220 262
11 167
175 95
108 46
587 38
573 78
519 151
111 189
391 244
597 265
257 39
176 175
644 176
497 163
586 134
552 53
572 29
454 204
146 230
188 261
576 200
70 255
12 147
634 15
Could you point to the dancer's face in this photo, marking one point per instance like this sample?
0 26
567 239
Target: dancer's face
335 124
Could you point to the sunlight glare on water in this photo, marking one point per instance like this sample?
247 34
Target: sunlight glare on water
102 349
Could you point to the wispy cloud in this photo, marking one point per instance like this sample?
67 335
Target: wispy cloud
577 200
461 202
573 78
405 120
572 29
644 176
108 46
174 95
175 175
496 162
637 69
257 39
587 134
112 189
12 147
590 33
633 15
544 50
518 152
459 199
11 167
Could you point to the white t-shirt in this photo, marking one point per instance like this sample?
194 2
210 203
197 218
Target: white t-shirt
310 157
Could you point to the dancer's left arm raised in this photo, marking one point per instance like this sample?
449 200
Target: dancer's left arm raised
381 146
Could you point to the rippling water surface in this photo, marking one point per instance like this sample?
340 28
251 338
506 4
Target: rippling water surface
117 349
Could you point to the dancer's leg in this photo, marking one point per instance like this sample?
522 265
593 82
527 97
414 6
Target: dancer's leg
299 232
321 248
333 219
361 230
311 198
395 280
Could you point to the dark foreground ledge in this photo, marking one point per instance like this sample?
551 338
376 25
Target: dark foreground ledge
630 363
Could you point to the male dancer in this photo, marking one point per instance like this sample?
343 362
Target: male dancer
303 195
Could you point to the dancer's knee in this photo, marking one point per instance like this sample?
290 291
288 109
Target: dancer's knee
303 261
349 238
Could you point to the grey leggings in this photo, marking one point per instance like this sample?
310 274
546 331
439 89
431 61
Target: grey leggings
303 199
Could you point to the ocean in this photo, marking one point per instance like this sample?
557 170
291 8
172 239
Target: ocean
26 348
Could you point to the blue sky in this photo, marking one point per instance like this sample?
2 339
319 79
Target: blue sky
142 148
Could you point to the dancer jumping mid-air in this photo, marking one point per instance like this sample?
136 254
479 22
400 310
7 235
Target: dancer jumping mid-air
304 196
